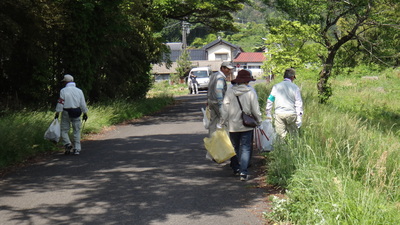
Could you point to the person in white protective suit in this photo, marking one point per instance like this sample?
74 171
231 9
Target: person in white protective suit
286 98
71 104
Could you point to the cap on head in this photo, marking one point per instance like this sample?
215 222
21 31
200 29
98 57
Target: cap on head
68 78
243 76
227 64
290 72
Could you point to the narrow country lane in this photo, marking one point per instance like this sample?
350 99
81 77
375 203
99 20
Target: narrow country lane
150 171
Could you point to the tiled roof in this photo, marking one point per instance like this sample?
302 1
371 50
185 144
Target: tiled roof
220 41
195 54
250 57
175 45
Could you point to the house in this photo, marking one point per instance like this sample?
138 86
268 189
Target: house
212 55
251 61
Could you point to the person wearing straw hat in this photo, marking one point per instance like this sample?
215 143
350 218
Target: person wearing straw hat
71 104
240 97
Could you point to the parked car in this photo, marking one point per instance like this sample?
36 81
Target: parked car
202 77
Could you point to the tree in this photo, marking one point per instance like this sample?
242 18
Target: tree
339 23
289 46
108 46
184 66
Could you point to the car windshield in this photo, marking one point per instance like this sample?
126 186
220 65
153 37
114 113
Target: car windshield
200 73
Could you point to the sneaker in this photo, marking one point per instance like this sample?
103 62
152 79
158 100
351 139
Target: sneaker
67 148
244 177
76 152
236 172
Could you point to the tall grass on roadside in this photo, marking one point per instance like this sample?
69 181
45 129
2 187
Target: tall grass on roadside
164 87
22 136
22 132
343 169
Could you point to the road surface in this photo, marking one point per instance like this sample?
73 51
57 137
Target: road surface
150 171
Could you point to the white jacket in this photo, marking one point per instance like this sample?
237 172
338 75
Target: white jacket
286 97
231 113
71 97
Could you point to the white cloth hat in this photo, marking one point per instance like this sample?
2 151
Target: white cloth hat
227 64
68 78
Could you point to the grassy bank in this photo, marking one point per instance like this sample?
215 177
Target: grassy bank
344 168
22 132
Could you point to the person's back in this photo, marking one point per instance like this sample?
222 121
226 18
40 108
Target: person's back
212 93
288 105
73 97
285 97
71 104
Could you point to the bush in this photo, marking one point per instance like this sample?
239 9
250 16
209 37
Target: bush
344 167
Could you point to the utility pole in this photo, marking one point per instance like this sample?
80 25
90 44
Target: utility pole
185 31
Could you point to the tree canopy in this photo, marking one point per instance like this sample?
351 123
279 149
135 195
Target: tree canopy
345 31
108 46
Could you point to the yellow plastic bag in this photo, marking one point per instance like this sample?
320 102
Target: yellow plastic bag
219 146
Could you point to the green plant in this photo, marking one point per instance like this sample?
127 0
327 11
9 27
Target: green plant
22 132
344 166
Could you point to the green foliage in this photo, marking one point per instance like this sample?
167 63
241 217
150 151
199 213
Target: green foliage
347 34
184 66
165 88
22 132
289 46
18 142
343 169
108 46
250 36
213 14
200 42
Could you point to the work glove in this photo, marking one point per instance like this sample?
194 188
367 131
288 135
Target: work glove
84 117
56 116
299 121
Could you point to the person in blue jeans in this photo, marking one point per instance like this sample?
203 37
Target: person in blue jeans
241 136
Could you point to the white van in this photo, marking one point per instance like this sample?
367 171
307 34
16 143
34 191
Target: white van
202 77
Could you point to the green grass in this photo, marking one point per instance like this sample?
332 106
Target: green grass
344 168
22 132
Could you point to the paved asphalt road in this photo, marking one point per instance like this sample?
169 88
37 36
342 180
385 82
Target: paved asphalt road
151 171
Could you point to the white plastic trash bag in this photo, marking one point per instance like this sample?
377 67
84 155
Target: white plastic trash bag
206 117
53 132
264 136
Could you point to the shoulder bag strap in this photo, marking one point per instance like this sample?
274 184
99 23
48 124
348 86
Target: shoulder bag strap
239 103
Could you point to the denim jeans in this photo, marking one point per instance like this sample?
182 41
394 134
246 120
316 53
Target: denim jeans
242 142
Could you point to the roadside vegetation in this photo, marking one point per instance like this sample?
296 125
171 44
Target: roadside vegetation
344 168
22 131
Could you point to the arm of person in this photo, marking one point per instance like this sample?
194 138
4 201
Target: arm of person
270 103
224 109
82 103
219 90
298 103
299 108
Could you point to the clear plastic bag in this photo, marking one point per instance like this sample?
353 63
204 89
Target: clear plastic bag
219 146
264 136
53 133
206 117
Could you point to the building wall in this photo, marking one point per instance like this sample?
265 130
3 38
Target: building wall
219 49
255 68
